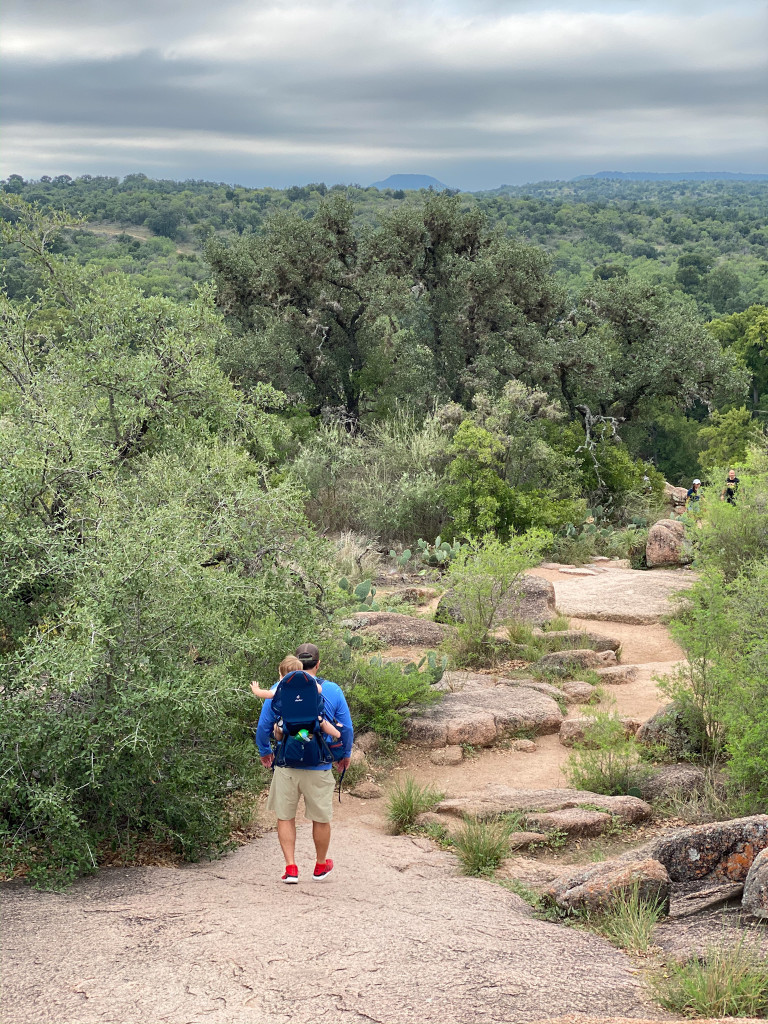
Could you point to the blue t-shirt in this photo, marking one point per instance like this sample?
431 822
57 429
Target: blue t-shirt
335 710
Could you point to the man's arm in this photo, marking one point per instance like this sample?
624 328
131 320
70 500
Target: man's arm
267 719
344 718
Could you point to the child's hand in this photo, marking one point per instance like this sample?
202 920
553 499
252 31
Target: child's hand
255 687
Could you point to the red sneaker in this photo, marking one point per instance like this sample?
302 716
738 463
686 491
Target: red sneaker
291 875
322 870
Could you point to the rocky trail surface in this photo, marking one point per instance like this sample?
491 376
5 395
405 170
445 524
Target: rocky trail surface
395 935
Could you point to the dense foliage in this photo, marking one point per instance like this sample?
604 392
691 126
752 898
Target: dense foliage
705 239
723 696
177 434
146 572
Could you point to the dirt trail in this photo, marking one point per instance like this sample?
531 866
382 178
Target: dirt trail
647 645
395 935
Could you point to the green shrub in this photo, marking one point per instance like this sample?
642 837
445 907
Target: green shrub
734 536
629 920
726 982
606 761
387 482
572 550
482 578
147 573
482 845
407 801
378 695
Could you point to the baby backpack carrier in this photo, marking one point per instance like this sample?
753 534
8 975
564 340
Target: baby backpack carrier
298 705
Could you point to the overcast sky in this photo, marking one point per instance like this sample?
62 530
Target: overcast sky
475 92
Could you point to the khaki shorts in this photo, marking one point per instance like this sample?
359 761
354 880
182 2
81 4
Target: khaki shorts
317 788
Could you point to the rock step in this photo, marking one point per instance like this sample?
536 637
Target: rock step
572 691
398 630
594 888
622 595
581 638
483 717
495 799
617 675
578 658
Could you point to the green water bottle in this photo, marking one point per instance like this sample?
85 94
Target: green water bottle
303 735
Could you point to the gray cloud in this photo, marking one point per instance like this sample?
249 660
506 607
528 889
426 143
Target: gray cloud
284 92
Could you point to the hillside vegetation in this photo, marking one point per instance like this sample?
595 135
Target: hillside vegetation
175 458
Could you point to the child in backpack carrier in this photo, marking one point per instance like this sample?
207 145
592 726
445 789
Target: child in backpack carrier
292 664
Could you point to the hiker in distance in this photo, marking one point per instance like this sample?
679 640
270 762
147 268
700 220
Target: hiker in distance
731 487
693 496
303 756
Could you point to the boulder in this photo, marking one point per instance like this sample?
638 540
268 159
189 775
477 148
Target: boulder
447 756
532 600
457 682
581 638
481 717
524 746
722 850
577 658
476 728
595 888
755 899
674 779
398 630
496 799
573 730
668 728
366 790
576 692
426 732
675 495
576 822
694 897
358 758
666 544
617 675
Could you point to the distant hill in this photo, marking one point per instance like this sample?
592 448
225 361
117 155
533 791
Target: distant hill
675 176
410 181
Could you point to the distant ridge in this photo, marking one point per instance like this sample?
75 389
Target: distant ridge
410 181
675 176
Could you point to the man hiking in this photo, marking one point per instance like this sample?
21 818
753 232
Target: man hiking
302 762
731 487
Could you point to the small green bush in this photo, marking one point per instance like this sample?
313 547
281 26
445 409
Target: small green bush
734 536
482 845
378 695
725 982
482 577
407 801
606 761
575 550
